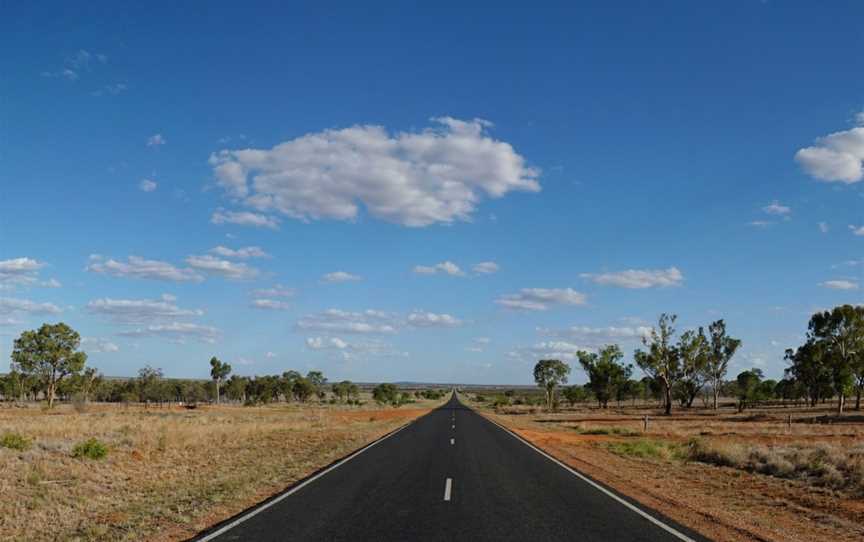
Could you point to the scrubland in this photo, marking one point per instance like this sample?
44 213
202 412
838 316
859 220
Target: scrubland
730 476
167 473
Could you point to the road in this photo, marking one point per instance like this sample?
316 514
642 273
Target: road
450 475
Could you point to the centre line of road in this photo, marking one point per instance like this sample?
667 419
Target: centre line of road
452 441
448 485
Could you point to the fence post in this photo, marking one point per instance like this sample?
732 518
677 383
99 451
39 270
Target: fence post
645 424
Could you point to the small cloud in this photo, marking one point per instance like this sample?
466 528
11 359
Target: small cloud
147 185
638 278
857 230
156 140
760 223
270 304
540 299
340 276
448 268
777 209
244 218
823 227
430 319
486 268
270 355
839 284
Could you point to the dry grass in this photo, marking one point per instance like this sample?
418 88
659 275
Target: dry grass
168 472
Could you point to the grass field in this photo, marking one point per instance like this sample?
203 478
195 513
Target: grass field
168 472
749 476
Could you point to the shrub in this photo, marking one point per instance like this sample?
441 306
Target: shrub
645 449
91 449
14 441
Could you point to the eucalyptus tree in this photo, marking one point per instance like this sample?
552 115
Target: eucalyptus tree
49 355
721 348
607 376
549 374
841 332
661 360
218 372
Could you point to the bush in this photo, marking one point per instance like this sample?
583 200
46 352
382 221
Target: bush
645 449
14 441
91 449
620 431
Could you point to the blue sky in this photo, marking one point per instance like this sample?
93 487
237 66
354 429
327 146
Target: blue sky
439 193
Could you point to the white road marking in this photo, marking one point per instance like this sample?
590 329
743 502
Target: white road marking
297 488
452 441
448 485
454 426
668 528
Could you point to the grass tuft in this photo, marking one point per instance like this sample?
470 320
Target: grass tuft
15 441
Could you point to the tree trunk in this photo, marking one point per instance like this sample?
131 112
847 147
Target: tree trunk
841 403
668 391
716 396
50 394
217 391
858 398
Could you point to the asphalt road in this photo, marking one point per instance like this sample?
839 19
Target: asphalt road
450 475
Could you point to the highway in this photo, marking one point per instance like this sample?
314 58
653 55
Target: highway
450 475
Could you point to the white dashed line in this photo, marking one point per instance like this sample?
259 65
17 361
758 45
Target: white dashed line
452 441
448 485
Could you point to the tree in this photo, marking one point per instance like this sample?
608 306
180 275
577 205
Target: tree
303 389
318 381
343 389
385 393
49 354
549 374
693 353
748 387
661 362
841 331
807 369
236 388
575 394
149 384
287 383
606 374
721 348
218 372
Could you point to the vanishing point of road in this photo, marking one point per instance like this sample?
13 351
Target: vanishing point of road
449 475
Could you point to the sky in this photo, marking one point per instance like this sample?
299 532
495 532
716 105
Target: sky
440 192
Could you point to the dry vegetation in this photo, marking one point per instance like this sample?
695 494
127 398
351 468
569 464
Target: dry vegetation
730 476
168 472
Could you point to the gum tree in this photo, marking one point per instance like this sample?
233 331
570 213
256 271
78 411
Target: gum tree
721 348
606 374
661 360
49 354
549 374
218 372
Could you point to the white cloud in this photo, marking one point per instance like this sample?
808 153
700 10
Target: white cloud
836 157
486 268
147 185
244 218
638 278
23 272
340 276
482 340
760 223
548 350
839 284
339 321
176 332
224 268
321 343
156 140
857 230
10 305
98 345
270 304
140 311
414 179
448 268
540 299
112 89
140 268
243 253
777 209
430 319
65 73
276 291
599 336
270 355
348 350
823 227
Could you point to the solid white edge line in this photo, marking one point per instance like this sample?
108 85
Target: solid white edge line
448 486
671 530
297 488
